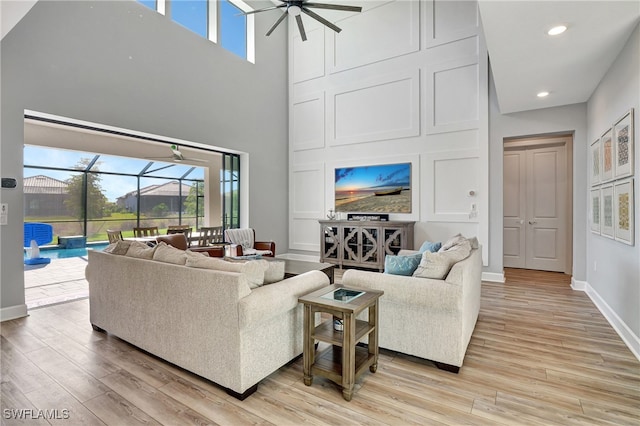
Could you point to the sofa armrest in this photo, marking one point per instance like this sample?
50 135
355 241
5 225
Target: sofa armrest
275 299
436 295
265 245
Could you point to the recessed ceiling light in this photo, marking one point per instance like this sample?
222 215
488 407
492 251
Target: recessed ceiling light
543 94
557 30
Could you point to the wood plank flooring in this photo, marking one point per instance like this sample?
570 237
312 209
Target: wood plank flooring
541 354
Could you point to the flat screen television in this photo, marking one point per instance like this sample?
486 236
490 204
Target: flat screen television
383 188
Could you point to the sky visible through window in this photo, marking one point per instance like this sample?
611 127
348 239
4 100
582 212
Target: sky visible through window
192 14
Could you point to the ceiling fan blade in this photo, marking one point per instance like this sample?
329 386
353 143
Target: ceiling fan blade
262 10
284 15
334 7
321 19
303 34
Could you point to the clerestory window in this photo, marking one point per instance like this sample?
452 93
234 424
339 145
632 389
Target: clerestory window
220 21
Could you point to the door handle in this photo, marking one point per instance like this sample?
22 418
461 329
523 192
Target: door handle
532 222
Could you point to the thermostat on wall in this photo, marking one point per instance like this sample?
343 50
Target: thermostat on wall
8 183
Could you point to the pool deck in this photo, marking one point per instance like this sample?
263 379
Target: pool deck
60 281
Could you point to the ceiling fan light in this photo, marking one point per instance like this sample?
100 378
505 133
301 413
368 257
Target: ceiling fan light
543 94
294 10
557 30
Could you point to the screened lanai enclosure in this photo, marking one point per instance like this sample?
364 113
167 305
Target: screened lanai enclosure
85 194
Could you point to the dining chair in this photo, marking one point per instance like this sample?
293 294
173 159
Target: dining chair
146 231
114 235
210 235
181 229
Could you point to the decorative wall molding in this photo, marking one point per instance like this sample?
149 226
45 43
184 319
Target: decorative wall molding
453 176
305 234
365 44
449 21
453 96
307 122
307 181
386 107
307 58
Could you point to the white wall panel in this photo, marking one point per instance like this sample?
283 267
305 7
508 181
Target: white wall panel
453 92
447 21
307 126
308 56
375 34
307 181
304 235
454 179
383 108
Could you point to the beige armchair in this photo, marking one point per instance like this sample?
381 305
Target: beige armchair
243 243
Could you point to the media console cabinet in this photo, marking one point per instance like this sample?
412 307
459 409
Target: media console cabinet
363 243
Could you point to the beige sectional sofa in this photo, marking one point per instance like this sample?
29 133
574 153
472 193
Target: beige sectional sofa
427 318
207 321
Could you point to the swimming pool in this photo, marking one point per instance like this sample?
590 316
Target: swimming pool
57 253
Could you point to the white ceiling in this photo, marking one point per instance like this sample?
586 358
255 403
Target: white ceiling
525 60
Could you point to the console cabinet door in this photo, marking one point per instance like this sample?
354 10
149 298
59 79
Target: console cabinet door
393 240
360 245
330 244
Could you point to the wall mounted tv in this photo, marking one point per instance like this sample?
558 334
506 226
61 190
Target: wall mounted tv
384 188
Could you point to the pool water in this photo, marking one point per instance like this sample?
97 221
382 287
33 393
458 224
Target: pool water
57 253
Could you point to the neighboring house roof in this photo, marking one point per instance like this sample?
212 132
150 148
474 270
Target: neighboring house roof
41 184
169 189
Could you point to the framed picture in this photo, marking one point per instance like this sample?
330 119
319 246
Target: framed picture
595 162
623 145
595 210
606 211
623 211
606 152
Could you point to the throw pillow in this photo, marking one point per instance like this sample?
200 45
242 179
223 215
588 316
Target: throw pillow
253 271
401 265
429 246
274 272
455 240
168 254
140 250
119 247
434 265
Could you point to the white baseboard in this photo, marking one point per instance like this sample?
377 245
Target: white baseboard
631 340
496 277
13 312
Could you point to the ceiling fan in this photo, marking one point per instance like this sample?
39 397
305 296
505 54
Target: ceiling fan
176 156
296 7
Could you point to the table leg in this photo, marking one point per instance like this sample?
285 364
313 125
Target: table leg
373 336
348 356
309 350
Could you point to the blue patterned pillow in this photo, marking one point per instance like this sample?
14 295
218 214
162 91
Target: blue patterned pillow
432 247
401 265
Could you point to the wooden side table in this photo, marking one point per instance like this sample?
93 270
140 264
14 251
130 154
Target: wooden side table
342 362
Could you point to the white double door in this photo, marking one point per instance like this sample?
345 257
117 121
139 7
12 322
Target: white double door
535 207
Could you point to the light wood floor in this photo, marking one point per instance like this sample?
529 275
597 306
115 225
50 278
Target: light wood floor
540 354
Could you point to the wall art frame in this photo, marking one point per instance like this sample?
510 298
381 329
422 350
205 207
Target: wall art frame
623 141
623 205
607 163
595 210
607 218
595 162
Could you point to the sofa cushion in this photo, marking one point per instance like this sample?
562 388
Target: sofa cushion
252 270
274 272
168 254
140 250
401 265
119 247
429 246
